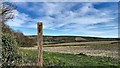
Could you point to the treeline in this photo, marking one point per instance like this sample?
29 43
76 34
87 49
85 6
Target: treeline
21 39
62 39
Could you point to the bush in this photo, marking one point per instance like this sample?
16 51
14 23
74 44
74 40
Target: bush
10 55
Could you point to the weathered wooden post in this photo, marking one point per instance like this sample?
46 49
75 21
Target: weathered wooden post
39 42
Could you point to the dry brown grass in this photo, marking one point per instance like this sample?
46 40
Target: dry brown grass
77 43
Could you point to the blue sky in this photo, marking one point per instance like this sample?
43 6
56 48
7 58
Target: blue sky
98 19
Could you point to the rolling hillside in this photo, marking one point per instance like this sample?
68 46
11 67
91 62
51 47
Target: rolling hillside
64 39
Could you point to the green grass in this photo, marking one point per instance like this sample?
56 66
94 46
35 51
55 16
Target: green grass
28 56
61 59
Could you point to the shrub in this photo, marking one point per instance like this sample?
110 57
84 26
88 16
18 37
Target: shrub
10 55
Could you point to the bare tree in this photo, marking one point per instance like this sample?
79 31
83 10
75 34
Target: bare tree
6 11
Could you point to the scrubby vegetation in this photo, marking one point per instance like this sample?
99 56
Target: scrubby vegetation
10 39
9 50
10 54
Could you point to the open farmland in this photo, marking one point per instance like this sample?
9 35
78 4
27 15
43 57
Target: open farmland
80 43
106 49
67 60
101 53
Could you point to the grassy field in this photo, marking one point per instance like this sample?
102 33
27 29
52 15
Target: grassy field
62 59
78 56
106 50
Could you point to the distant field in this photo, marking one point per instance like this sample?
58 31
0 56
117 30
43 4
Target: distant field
79 43
66 39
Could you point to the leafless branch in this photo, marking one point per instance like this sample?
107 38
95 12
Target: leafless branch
7 11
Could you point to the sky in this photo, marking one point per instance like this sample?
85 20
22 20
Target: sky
60 0
95 19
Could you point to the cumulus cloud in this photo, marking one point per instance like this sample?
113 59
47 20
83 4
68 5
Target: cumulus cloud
66 17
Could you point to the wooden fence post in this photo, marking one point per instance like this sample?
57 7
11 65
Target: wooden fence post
39 42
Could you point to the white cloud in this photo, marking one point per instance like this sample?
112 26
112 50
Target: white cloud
61 0
16 21
78 18
59 16
20 19
87 8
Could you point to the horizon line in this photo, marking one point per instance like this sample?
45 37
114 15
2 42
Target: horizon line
76 36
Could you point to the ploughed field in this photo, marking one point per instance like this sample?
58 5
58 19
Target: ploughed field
103 48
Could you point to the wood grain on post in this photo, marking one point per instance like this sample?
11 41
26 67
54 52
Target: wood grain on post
39 40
